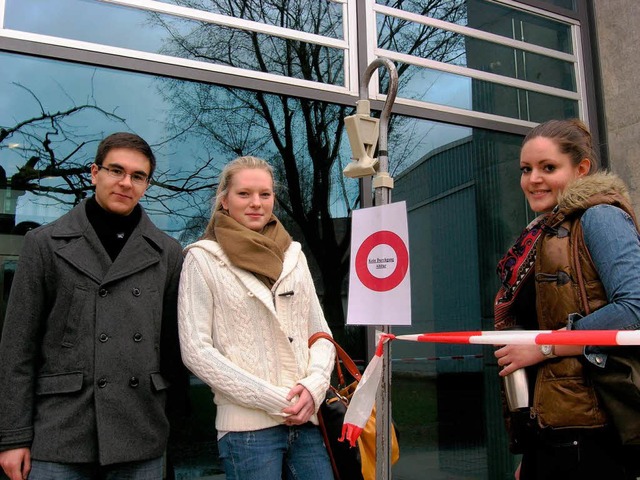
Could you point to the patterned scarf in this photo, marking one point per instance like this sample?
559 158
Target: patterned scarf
260 253
514 268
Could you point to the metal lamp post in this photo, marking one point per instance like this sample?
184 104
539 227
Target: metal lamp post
363 132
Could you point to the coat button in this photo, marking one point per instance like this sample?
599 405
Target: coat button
137 337
134 382
103 292
102 382
104 337
136 292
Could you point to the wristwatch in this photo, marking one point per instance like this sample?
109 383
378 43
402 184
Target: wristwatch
548 351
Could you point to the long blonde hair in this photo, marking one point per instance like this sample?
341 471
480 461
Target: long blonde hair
226 177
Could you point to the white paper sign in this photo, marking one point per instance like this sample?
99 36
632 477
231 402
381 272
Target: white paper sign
379 285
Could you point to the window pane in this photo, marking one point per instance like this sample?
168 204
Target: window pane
519 25
118 26
194 127
420 40
58 112
453 11
458 91
521 65
459 183
183 38
492 18
460 50
299 14
53 114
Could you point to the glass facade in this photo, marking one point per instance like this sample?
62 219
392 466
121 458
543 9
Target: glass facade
179 37
491 17
474 76
468 54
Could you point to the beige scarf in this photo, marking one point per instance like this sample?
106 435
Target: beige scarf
261 253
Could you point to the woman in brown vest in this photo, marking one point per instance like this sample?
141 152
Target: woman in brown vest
586 229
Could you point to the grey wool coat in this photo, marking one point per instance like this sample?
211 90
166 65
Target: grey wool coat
90 346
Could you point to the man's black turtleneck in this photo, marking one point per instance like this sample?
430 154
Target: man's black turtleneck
112 229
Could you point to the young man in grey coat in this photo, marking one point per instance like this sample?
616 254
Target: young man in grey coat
89 347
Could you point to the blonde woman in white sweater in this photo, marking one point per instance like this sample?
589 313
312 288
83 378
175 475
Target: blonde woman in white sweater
247 307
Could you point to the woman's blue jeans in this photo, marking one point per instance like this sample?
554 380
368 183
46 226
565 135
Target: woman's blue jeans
275 453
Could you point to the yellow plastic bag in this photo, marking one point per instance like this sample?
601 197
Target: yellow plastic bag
367 447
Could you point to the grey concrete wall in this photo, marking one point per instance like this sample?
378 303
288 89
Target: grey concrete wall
618 40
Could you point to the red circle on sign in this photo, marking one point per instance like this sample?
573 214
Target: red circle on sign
362 270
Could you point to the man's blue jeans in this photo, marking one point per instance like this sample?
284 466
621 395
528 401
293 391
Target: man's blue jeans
143 470
275 453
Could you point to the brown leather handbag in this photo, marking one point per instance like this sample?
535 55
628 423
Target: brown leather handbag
349 463
345 460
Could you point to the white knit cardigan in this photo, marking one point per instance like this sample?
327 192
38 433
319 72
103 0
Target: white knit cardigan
249 343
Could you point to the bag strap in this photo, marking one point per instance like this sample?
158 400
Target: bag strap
578 269
349 364
325 436
341 356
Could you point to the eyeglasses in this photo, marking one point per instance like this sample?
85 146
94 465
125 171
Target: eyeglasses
119 173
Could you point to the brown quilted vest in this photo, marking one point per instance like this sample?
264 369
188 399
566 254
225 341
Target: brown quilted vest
564 395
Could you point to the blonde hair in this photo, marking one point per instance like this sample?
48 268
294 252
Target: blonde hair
226 177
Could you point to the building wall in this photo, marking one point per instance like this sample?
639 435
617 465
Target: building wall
618 37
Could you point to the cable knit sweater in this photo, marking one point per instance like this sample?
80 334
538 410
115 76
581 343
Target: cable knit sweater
249 343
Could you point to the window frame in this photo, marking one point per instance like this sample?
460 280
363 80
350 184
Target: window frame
359 47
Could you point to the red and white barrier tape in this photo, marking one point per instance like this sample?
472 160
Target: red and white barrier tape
531 337
364 397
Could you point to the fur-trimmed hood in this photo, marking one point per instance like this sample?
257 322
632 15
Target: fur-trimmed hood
580 194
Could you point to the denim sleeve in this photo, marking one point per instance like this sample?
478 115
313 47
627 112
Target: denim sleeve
614 245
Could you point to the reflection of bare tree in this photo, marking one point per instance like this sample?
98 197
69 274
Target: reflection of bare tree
301 137
49 156
51 146
423 41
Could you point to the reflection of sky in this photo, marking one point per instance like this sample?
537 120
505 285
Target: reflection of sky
117 25
438 87
138 29
414 138
58 86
